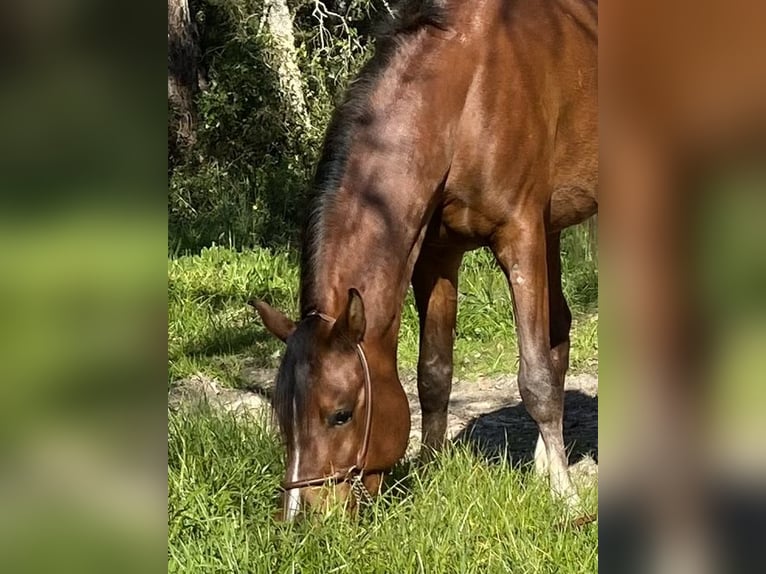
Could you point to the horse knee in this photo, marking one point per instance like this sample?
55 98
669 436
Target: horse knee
434 383
539 389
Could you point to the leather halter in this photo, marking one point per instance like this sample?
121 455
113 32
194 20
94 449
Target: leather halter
354 473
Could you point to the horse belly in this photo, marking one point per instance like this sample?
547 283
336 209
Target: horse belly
570 206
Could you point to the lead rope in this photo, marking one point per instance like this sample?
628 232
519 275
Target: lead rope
360 492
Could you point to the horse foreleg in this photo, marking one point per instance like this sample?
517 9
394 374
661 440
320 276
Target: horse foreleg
560 323
521 251
434 283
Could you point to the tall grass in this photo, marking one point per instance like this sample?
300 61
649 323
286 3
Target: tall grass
211 328
461 514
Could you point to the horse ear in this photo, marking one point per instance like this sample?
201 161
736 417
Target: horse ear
275 321
352 322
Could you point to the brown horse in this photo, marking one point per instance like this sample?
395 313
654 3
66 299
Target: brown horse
475 124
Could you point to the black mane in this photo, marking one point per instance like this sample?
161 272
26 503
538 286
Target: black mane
404 21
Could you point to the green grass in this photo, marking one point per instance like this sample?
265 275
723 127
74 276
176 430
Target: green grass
461 514
212 330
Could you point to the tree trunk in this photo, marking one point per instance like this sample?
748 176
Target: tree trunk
285 55
182 72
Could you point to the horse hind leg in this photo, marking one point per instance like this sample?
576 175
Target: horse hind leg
434 283
560 324
521 251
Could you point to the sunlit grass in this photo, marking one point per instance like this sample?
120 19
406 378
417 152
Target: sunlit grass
211 329
461 514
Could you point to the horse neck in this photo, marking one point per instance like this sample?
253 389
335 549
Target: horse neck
368 231
369 239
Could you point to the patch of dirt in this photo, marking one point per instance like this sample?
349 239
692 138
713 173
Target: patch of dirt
486 413
200 388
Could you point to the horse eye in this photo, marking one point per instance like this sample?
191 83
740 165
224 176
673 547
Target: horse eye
340 418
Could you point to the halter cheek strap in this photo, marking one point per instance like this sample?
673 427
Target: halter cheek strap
354 473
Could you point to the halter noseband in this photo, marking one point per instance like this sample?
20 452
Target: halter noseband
355 472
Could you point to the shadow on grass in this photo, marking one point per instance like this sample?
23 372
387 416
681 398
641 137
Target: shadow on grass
512 434
398 484
227 341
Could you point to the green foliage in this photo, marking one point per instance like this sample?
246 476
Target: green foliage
245 180
460 514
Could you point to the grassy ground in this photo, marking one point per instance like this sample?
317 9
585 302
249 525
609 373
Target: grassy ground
212 329
462 514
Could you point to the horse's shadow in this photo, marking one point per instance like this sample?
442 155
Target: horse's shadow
510 433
